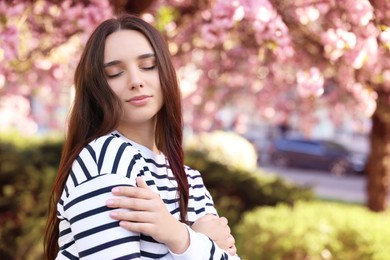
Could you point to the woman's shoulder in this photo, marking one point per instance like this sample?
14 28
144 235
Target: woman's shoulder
107 139
113 150
111 143
105 154
193 175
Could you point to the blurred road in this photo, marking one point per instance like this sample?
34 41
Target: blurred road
349 188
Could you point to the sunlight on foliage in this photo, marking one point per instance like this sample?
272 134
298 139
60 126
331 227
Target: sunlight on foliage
226 148
165 15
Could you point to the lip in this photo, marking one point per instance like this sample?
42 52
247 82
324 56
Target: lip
139 100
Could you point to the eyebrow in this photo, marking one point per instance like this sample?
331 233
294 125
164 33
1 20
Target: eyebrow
140 57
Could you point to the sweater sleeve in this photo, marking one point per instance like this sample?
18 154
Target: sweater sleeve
202 248
86 229
201 203
96 235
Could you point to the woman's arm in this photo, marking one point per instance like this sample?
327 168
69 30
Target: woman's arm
218 230
149 216
91 232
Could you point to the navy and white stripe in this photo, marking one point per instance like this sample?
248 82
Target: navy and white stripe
87 231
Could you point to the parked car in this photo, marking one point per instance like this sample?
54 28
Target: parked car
319 154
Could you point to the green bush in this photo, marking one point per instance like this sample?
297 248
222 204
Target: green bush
314 230
27 170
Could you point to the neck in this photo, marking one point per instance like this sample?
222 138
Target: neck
144 135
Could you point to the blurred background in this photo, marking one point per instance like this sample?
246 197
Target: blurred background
300 89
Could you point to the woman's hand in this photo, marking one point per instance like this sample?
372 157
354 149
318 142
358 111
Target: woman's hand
217 229
148 215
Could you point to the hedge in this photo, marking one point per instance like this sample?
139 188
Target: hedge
314 230
27 169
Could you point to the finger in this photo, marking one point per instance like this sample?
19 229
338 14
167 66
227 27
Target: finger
210 216
207 217
232 250
223 221
145 228
226 242
231 241
132 216
128 203
228 230
133 192
122 190
141 183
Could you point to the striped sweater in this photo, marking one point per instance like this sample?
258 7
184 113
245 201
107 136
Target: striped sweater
86 229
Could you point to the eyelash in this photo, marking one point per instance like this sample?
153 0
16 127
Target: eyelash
114 75
149 68
120 73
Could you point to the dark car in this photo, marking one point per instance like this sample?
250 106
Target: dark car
319 154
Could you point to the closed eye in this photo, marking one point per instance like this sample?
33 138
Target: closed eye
147 62
114 75
149 67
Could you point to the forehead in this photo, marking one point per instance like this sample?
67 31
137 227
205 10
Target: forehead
126 44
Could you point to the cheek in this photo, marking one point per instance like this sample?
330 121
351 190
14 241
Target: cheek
155 80
116 86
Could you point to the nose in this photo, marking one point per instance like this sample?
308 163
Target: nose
135 81
136 85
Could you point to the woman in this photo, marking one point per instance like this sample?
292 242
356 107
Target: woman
125 139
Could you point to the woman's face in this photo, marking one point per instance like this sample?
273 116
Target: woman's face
131 72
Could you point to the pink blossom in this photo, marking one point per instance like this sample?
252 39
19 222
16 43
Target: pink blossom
29 51
310 83
2 81
210 36
222 20
239 48
261 10
15 114
360 12
307 14
367 101
364 53
13 10
384 37
10 42
336 41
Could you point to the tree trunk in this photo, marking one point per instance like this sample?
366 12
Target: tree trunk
378 165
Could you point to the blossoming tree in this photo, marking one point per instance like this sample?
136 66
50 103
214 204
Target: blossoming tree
40 42
279 57
286 57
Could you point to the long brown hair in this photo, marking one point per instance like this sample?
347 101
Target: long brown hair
96 111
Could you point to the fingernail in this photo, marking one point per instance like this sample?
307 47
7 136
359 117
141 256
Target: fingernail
113 214
116 189
123 223
109 202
